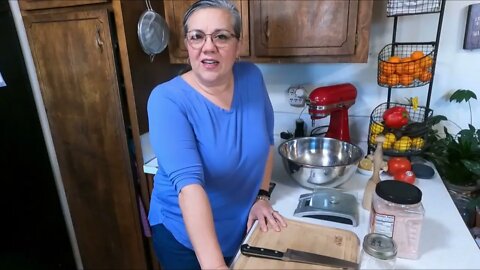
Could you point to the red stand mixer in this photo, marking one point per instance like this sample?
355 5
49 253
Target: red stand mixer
333 100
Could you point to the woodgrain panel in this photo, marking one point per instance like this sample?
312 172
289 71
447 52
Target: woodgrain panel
76 69
44 4
298 235
360 54
300 28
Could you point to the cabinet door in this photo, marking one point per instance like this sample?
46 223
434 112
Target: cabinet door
174 11
76 70
304 28
42 4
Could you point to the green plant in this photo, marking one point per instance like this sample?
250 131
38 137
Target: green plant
457 156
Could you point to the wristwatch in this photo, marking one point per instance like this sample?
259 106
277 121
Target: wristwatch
263 195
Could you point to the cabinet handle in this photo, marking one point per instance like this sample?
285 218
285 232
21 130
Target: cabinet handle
99 39
266 31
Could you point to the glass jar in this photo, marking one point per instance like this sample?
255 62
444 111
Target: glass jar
379 252
397 212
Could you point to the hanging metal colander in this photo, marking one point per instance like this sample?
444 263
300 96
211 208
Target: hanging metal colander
153 32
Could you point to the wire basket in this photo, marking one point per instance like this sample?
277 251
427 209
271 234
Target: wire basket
405 65
406 141
411 7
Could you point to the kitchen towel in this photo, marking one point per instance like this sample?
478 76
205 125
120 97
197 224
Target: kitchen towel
143 217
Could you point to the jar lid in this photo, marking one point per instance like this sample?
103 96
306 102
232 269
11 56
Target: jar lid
398 192
380 246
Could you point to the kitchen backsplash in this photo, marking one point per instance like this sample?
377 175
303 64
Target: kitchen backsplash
285 121
286 115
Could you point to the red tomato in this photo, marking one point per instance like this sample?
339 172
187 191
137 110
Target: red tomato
407 177
398 165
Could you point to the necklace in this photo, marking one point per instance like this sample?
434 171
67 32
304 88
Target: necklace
204 89
214 94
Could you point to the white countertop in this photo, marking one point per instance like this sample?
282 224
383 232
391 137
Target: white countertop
151 165
445 242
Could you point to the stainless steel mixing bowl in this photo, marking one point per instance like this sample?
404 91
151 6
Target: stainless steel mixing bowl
316 162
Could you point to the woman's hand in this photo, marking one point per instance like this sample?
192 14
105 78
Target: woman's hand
266 216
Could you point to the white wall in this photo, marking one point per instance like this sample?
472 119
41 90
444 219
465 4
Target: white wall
456 68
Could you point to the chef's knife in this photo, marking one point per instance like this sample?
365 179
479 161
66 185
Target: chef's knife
292 255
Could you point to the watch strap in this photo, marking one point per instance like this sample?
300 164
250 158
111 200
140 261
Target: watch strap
264 193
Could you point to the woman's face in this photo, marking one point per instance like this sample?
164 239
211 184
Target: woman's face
212 64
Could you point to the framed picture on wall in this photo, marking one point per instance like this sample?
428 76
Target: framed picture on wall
472 29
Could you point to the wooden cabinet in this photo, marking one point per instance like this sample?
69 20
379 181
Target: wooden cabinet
174 11
292 30
95 81
74 58
44 4
304 27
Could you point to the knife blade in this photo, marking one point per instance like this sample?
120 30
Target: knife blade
292 255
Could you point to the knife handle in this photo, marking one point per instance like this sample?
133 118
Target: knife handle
261 252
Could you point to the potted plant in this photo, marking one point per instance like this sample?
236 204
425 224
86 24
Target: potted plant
457 155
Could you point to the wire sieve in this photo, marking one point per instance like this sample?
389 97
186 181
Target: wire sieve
153 32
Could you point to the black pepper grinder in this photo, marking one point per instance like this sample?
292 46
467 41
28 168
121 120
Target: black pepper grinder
299 128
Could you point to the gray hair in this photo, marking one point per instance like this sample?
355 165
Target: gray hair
223 4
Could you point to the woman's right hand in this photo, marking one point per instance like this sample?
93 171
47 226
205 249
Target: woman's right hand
267 217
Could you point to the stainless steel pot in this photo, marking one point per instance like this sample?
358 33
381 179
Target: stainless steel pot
320 162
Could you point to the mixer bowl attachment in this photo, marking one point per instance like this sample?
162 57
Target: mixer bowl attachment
316 162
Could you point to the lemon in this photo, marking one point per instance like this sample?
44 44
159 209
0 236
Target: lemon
376 128
418 143
401 145
390 137
366 164
372 139
406 140
387 144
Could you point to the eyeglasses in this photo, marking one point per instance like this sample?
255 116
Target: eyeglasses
221 38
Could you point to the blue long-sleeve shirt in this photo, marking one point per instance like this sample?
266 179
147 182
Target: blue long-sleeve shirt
225 151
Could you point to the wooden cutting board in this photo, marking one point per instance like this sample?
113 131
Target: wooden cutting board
323 240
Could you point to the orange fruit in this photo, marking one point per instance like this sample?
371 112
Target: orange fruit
425 76
387 68
409 68
417 55
400 69
383 79
393 80
394 59
418 71
426 62
406 79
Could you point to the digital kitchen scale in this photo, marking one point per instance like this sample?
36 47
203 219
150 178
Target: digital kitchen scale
329 204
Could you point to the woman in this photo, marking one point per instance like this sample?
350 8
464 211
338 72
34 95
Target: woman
212 132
